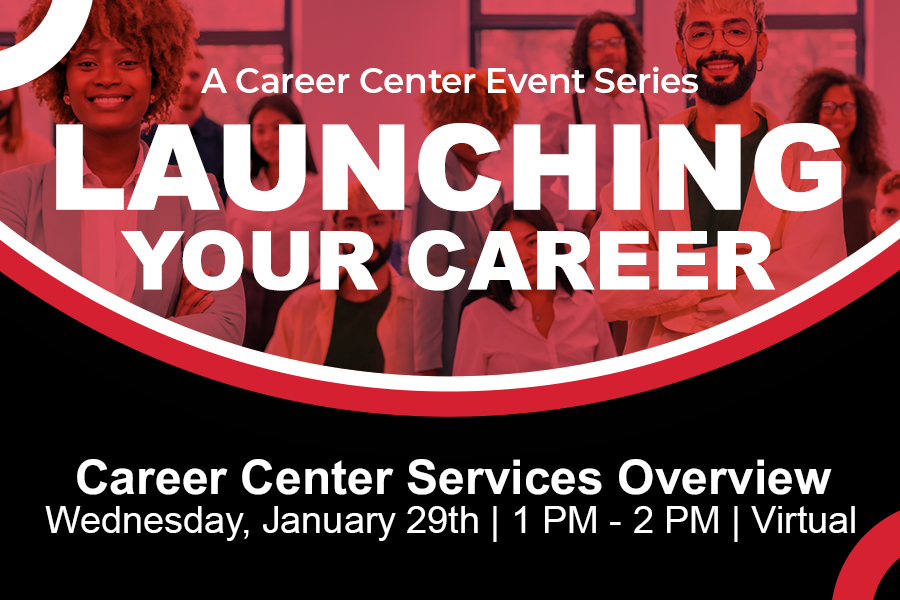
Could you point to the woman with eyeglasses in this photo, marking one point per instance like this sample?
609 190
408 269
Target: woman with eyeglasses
306 214
842 103
518 331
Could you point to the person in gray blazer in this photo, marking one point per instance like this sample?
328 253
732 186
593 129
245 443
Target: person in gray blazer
436 314
122 72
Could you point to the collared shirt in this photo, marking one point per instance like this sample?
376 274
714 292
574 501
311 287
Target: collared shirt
803 244
305 214
306 320
209 138
495 341
603 111
484 216
106 257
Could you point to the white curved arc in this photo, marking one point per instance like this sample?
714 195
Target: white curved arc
451 384
46 46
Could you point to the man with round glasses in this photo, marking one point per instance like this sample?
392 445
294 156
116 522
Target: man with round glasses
724 43
603 40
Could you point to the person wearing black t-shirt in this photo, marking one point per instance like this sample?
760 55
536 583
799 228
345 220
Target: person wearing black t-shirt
362 330
724 46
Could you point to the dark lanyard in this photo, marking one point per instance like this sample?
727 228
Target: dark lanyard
643 101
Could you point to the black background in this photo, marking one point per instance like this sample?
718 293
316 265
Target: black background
821 399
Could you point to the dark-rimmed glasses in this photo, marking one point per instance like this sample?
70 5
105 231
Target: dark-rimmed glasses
614 42
737 33
847 108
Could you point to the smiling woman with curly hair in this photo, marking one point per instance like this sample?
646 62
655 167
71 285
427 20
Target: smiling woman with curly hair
845 105
161 32
124 69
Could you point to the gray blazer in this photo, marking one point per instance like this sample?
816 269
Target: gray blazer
436 314
28 207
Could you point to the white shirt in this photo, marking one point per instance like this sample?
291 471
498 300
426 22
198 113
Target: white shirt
305 214
484 216
495 341
106 257
306 320
603 111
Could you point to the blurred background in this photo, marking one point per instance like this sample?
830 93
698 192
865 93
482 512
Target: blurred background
524 36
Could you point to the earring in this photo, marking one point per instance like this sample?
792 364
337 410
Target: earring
683 71
762 65
67 100
152 99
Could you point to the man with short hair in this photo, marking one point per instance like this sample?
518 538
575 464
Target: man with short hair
724 43
602 40
208 135
362 330
887 203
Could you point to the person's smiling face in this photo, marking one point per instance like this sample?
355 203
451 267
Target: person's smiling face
725 72
109 86
841 124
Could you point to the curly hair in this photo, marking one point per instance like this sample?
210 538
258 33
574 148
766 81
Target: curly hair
578 53
889 183
756 8
161 31
866 143
443 108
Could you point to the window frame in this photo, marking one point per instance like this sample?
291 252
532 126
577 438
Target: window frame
278 37
855 22
479 22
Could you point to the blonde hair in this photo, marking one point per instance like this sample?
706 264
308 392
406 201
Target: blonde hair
754 7
358 200
889 183
442 108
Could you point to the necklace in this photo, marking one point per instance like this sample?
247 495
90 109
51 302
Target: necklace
537 312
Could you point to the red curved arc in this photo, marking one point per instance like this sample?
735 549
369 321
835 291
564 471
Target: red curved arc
869 561
348 397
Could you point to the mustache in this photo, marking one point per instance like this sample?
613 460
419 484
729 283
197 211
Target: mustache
737 58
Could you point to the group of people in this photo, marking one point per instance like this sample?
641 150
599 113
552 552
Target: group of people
120 80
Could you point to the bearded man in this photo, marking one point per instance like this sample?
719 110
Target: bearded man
361 330
724 43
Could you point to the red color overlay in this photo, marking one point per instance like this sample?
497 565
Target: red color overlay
481 403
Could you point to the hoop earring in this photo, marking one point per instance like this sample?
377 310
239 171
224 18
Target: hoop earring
761 66
683 71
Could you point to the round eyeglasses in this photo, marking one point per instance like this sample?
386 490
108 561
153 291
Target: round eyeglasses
615 42
847 108
736 34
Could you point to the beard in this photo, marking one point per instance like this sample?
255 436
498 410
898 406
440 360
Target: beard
720 93
381 253
382 256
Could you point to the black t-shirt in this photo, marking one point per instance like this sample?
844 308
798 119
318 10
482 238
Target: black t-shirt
354 336
703 216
